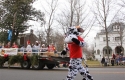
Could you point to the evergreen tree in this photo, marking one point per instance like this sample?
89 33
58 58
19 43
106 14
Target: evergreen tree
17 13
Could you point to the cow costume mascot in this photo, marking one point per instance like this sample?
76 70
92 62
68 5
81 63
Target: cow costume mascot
75 44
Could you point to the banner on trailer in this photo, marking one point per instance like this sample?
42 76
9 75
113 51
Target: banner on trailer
9 51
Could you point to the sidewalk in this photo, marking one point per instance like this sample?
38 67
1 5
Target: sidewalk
110 66
107 67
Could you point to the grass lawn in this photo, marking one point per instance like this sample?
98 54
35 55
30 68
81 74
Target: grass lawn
93 63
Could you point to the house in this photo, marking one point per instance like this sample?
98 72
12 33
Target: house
23 38
116 33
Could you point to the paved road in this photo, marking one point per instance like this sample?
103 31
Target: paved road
60 74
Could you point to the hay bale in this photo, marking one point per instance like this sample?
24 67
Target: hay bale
29 54
50 54
20 53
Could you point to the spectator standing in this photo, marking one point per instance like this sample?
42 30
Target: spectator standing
8 45
121 54
114 56
3 45
14 45
0 45
51 48
39 43
22 49
28 48
43 48
117 59
103 60
36 47
112 61
120 59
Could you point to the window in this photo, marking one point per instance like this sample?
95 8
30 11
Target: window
104 38
98 51
95 44
117 38
116 28
108 38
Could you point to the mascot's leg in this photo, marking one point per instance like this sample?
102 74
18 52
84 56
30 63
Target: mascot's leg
72 70
87 77
83 72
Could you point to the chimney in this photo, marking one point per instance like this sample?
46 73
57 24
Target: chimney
31 31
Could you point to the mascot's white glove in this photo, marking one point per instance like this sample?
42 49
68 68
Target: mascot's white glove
69 38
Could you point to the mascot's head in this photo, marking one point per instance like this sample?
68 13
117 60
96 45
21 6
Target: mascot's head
75 30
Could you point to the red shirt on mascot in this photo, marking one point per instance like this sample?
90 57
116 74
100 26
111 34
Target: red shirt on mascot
75 50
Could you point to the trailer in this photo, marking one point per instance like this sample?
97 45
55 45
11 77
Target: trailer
35 60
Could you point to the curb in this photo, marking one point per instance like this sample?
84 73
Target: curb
107 67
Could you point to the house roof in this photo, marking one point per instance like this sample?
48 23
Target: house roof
27 34
110 28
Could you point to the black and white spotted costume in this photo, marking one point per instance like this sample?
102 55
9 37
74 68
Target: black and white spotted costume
75 44
75 67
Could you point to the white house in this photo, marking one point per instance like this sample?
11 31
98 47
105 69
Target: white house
116 37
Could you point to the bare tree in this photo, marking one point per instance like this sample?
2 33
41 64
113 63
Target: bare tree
75 14
123 3
50 15
101 12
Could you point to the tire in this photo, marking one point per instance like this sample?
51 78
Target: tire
25 64
50 66
1 66
38 66
42 65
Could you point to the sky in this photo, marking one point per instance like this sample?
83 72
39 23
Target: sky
62 3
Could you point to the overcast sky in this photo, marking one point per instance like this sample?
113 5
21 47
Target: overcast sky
62 4
39 4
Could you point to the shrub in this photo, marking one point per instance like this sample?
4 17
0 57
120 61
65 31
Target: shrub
3 60
15 59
